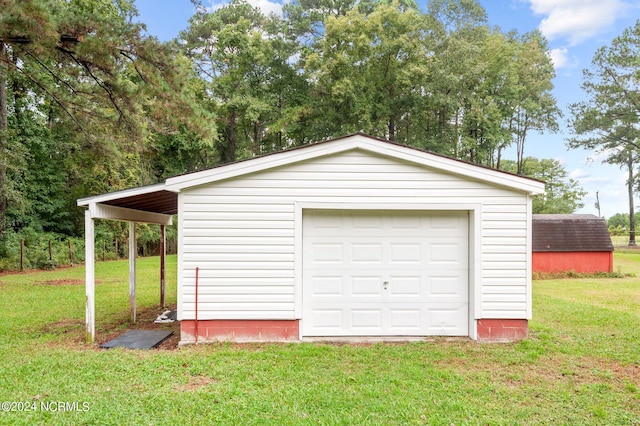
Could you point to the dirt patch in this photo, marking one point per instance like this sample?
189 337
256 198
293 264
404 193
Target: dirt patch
145 318
558 369
37 271
65 326
195 383
62 282
72 334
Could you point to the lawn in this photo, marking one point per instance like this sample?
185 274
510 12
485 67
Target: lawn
580 365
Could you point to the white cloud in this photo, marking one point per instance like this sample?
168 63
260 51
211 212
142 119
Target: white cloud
559 57
265 6
599 156
577 20
578 173
586 178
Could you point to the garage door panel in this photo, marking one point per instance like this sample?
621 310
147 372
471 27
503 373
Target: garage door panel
406 285
331 285
406 253
448 253
366 253
385 273
444 320
327 253
365 320
404 321
365 285
367 221
327 320
447 286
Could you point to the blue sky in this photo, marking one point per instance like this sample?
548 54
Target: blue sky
575 29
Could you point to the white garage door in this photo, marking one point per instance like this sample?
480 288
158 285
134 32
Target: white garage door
385 273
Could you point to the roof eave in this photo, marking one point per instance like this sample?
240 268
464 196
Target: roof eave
132 192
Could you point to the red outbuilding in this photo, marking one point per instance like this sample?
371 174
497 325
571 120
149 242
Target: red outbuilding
571 242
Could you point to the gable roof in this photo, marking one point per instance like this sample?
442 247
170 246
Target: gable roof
162 197
570 232
359 141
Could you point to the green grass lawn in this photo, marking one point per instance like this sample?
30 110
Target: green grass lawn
580 365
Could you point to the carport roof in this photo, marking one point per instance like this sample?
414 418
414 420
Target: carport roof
150 198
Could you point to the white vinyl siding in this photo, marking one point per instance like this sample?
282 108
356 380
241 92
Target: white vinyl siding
240 232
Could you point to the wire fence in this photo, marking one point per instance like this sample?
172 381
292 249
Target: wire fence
623 240
51 253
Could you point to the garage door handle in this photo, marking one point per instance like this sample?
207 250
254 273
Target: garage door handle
385 284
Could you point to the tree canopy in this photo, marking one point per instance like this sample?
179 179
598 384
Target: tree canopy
608 121
562 195
90 103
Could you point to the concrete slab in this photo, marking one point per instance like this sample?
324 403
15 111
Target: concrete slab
138 339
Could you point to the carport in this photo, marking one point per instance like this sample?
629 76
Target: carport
148 204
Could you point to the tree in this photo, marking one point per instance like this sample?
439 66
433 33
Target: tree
562 195
82 72
609 120
84 93
533 106
244 58
368 70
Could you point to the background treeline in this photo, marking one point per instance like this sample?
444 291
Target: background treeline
90 103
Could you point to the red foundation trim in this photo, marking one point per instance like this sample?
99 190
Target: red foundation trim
240 331
502 330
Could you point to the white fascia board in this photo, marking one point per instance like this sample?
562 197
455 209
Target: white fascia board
103 211
261 163
354 142
496 177
121 194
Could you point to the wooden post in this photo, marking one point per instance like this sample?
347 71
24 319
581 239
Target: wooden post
104 249
132 270
163 254
89 276
21 255
71 251
50 252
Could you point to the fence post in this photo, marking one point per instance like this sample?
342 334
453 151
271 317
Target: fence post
21 255
50 252
70 252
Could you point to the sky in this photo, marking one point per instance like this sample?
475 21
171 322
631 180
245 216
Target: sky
575 29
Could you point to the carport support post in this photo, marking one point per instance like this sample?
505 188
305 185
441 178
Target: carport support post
89 236
133 250
163 254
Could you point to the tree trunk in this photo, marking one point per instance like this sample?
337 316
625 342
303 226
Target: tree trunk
392 130
632 219
3 137
231 156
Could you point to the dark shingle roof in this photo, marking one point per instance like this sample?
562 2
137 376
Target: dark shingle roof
570 232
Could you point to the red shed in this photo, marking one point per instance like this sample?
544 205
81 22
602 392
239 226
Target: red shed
571 242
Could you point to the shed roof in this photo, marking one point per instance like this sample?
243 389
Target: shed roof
570 232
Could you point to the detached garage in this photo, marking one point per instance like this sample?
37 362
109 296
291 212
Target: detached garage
355 237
